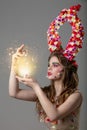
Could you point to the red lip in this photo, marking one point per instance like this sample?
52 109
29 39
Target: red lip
49 73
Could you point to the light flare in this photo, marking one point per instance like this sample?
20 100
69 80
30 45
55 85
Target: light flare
24 65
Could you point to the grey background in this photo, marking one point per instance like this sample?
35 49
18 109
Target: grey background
27 21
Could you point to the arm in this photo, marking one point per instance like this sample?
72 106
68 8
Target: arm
14 90
52 112
63 110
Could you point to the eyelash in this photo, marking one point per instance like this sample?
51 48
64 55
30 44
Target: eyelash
55 65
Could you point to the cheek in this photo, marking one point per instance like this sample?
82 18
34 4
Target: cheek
59 69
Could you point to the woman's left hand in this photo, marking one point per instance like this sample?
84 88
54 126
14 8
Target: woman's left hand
28 81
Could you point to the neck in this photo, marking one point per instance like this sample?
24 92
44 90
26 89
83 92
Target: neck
58 87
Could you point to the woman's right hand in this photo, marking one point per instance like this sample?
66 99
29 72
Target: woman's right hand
20 52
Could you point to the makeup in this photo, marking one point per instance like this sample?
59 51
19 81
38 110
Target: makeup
49 73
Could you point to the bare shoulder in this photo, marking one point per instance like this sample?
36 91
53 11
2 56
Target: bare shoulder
73 102
76 97
77 94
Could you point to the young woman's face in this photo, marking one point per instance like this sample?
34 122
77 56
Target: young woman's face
55 69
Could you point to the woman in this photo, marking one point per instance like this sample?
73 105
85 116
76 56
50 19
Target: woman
58 104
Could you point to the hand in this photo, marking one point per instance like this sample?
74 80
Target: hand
29 81
20 52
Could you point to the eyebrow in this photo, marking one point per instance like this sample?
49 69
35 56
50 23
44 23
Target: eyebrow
55 63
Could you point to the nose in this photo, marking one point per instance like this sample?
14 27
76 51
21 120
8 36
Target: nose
50 67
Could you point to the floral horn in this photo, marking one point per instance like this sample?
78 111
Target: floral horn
75 42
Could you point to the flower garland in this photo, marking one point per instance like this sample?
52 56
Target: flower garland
75 42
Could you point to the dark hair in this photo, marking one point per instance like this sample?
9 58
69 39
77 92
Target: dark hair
70 80
70 77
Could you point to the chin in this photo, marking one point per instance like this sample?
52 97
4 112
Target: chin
51 78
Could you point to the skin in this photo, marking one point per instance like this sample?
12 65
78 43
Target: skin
53 113
54 69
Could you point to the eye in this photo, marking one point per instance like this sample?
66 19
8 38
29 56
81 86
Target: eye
56 64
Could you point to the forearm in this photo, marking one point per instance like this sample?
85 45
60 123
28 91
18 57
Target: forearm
48 107
13 84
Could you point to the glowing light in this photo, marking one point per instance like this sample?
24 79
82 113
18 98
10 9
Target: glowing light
24 65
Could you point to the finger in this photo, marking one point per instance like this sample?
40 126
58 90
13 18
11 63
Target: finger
25 79
20 49
17 55
19 77
27 76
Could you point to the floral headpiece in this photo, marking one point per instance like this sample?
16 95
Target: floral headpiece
75 42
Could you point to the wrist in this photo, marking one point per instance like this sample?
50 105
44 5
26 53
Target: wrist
37 89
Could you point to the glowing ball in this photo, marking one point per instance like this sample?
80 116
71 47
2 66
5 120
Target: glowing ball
24 65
